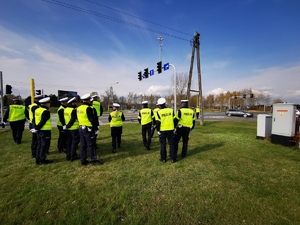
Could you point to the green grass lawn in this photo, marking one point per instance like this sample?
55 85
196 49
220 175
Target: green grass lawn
228 177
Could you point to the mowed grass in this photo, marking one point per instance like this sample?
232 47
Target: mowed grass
228 177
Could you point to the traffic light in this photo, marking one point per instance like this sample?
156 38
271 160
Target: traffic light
140 76
8 89
146 73
251 96
244 95
159 64
38 92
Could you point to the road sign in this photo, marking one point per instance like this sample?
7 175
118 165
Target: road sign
166 66
151 72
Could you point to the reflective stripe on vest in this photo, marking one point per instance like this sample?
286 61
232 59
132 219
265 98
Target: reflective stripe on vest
96 105
166 119
16 112
187 117
145 116
82 117
68 115
116 121
38 117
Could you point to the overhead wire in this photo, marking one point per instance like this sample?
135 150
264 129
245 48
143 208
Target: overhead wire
128 14
70 6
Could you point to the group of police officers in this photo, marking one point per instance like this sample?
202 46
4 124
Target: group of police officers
78 122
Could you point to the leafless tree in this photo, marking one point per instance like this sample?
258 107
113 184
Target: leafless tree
181 85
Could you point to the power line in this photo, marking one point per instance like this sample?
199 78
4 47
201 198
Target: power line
137 17
112 18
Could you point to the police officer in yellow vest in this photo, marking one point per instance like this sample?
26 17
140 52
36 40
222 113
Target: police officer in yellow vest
97 105
16 115
43 127
99 109
186 122
31 110
165 125
197 112
115 120
88 127
72 125
155 118
61 125
145 118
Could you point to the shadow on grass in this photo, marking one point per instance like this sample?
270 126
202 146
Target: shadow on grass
204 148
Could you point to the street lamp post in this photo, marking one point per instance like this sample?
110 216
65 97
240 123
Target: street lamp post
160 39
111 96
175 84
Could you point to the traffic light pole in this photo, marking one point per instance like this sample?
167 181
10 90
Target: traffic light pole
32 91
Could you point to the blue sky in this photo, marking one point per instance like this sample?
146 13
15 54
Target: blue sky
244 44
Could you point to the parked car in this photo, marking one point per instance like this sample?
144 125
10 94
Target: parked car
238 112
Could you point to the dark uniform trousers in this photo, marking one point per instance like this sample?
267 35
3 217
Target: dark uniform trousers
72 144
116 133
182 132
62 139
33 141
164 136
43 145
87 143
146 132
17 128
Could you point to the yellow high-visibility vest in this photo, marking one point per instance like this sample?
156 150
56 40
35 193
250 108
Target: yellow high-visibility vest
116 121
30 111
68 115
155 112
82 117
166 118
145 116
57 118
38 117
187 117
16 112
97 105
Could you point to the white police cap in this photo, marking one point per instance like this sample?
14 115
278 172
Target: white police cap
116 105
184 101
85 97
65 99
44 100
72 100
144 102
161 101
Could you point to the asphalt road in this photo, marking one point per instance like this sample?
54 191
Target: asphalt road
218 116
211 116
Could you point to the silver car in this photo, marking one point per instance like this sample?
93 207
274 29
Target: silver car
238 112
